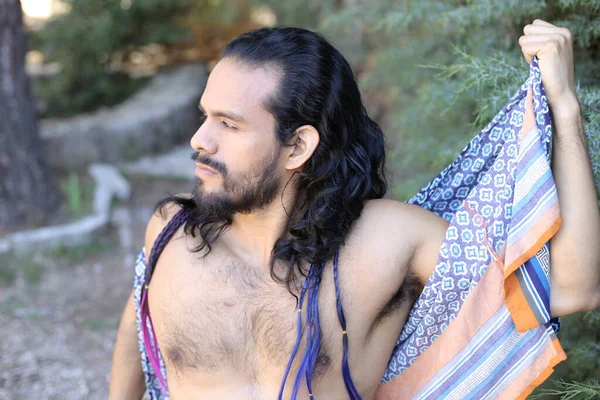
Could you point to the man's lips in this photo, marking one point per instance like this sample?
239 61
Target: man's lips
205 169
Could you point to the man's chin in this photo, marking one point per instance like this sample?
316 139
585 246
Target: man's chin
204 196
202 189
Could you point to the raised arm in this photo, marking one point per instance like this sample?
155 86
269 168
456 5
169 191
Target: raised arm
575 249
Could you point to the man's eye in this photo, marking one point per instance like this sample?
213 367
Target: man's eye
202 117
228 126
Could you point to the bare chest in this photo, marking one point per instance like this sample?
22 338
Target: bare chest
218 316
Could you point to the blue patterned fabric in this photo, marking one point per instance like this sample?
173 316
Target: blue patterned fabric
498 189
153 386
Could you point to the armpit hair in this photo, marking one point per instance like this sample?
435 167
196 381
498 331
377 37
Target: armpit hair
410 289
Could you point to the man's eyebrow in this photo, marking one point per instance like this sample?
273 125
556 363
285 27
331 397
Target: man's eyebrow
227 114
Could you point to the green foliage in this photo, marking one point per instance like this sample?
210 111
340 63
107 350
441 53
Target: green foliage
307 14
69 256
222 11
11 303
19 265
7 275
572 390
32 271
451 65
73 193
103 324
580 337
30 266
77 193
94 41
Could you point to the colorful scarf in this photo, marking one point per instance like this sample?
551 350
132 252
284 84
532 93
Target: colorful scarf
481 328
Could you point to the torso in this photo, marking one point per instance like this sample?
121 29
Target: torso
226 330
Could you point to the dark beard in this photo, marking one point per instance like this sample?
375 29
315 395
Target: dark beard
240 194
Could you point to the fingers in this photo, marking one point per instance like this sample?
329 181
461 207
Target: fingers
527 56
545 28
539 22
537 47
531 39
541 34
533 44
532 29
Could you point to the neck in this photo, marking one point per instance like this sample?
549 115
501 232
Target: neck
252 236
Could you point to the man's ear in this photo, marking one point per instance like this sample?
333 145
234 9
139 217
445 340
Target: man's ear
303 145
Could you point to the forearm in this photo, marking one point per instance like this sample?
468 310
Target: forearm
575 249
126 376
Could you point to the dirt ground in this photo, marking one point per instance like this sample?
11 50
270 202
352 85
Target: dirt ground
58 324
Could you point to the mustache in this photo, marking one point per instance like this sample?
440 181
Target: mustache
204 159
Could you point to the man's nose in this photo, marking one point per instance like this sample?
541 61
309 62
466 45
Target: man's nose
203 140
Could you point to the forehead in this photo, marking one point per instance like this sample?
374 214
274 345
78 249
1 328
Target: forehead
236 87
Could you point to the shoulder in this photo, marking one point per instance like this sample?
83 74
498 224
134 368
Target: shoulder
159 219
408 234
392 219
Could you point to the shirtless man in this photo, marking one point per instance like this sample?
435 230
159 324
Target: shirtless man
290 165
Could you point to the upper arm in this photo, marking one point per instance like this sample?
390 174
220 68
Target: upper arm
398 245
428 236
127 322
401 240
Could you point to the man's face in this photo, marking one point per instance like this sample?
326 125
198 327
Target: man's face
236 141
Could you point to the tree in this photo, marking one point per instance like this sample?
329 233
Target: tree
27 190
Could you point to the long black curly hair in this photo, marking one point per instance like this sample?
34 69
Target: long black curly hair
317 87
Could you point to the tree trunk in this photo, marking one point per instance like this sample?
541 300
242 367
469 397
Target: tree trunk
27 190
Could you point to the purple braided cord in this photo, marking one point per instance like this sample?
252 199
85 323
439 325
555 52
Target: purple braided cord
157 248
303 365
313 335
350 387
298 337
314 342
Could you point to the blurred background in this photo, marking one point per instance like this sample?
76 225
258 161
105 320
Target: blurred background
98 103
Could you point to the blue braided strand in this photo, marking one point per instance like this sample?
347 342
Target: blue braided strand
350 388
313 335
298 338
314 338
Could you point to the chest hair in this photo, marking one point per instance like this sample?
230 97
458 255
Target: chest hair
224 315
